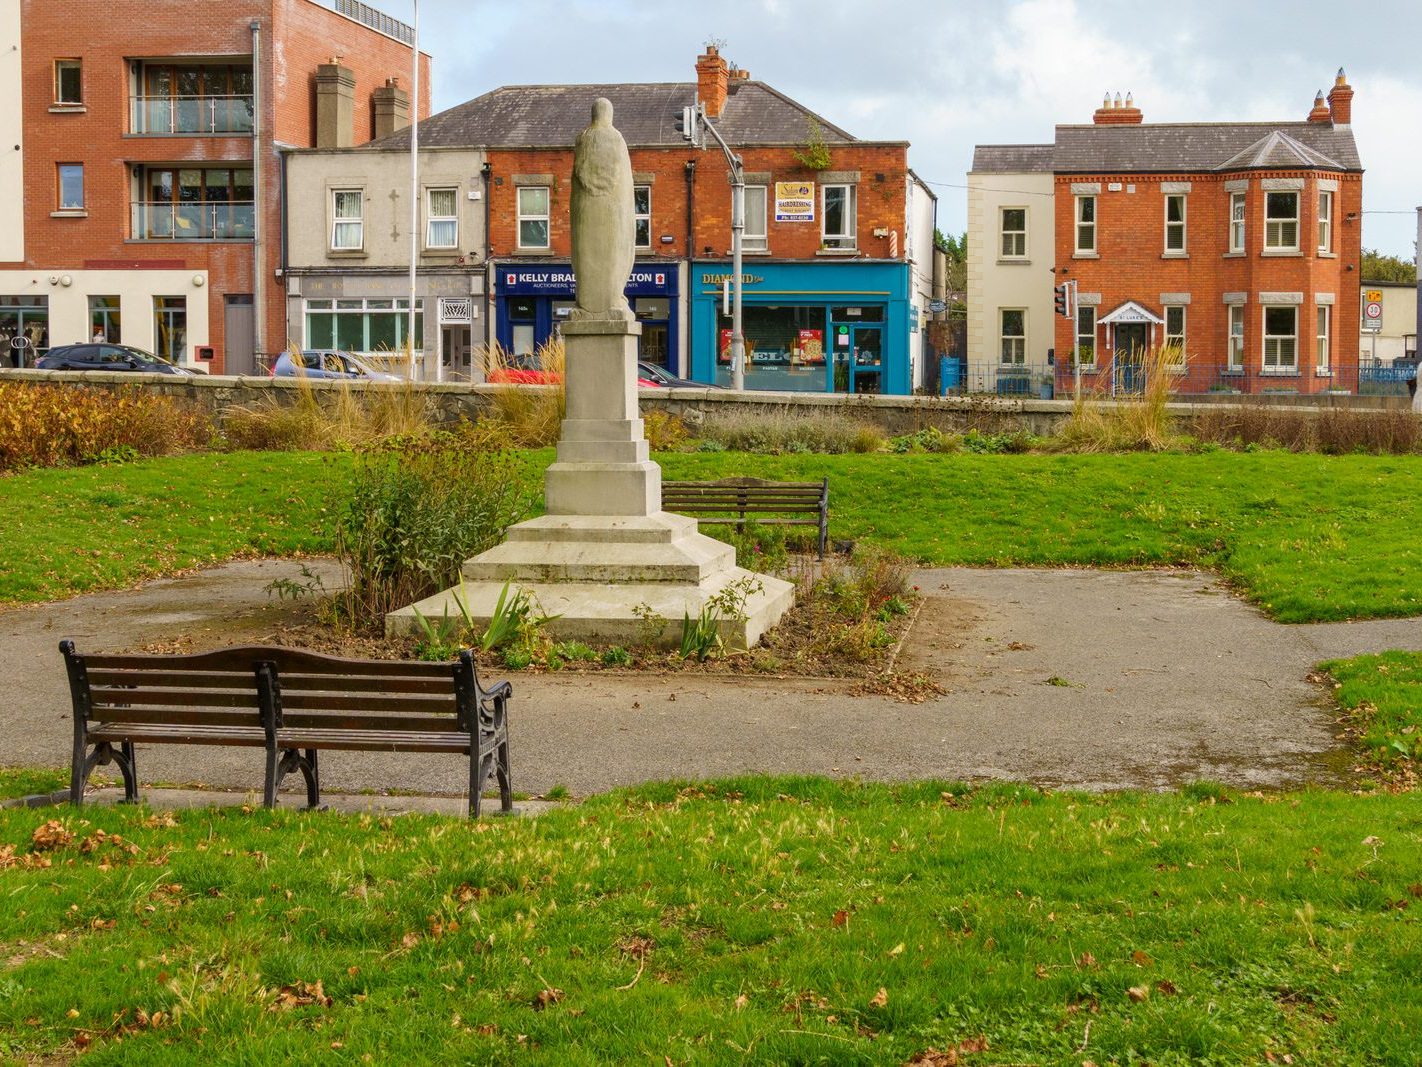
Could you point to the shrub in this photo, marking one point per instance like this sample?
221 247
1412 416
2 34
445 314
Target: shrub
1136 421
59 425
416 510
759 547
790 431
664 432
1258 424
331 415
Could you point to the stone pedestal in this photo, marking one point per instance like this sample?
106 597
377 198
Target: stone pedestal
605 558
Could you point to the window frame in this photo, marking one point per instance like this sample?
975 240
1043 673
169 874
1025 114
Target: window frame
1004 233
431 218
848 239
1323 339
1088 309
355 222
1004 337
1234 339
1278 366
532 217
1084 225
68 63
1325 221
1175 227
639 217
1177 337
758 241
1274 224
1238 221
59 176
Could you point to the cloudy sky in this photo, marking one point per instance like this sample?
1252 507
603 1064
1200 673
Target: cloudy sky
949 74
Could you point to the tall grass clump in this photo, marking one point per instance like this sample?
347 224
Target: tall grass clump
1134 422
784 430
65 425
1336 431
415 511
320 415
526 411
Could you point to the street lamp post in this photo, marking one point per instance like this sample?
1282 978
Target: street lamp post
415 198
738 227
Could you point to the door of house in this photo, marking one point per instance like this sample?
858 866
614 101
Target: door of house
867 349
1132 340
456 353
239 355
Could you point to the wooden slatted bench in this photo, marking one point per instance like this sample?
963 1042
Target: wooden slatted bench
289 703
754 499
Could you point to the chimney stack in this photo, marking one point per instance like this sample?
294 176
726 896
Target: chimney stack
1114 113
1340 100
335 105
711 78
1320 112
391 105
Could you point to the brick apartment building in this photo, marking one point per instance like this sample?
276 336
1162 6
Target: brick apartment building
1237 242
145 145
838 249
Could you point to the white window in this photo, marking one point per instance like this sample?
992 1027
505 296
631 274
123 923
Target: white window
533 216
1281 339
1014 335
1236 337
1281 221
1325 222
1086 336
1175 333
1236 222
1085 224
642 216
1014 233
68 82
441 218
1325 319
347 226
838 210
1175 222
71 187
754 237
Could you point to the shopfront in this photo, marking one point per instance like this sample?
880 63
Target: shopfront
809 327
533 299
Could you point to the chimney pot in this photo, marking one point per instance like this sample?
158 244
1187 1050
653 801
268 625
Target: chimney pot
1340 100
712 75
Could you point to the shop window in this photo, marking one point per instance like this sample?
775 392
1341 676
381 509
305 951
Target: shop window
347 221
1175 223
1281 221
1281 340
104 321
370 326
441 218
1236 222
1014 233
1325 222
170 320
642 216
1086 336
533 216
71 187
839 211
755 238
68 82
1324 333
785 348
1086 225
1014 335
1236 337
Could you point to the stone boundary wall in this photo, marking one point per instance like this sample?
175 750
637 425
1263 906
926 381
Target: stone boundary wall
892 414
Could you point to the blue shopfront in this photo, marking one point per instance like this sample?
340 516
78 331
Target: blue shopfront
835 327
533 299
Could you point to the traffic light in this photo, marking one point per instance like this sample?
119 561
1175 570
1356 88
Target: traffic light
689 125
1061 299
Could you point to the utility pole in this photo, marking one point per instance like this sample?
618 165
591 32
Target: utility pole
415 200
698 124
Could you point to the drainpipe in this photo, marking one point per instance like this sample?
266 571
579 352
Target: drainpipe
684 325
259 242
282 238
487 173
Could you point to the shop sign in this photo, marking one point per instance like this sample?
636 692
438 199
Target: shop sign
794 201
841 337
811 347
560 281
913 318
725 349
720 279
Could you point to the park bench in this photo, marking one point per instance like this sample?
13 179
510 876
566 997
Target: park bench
754 499
289 703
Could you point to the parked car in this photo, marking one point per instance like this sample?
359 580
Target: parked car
106 357
661 376
329 363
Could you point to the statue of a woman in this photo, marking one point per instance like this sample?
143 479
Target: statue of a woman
602 218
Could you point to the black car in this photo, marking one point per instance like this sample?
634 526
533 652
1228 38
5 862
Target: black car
653 373
106 357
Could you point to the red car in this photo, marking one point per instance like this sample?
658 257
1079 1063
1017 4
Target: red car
529 376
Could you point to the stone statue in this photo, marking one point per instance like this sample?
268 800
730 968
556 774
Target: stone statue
602 218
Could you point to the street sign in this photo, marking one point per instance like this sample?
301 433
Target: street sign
1372 309
937 307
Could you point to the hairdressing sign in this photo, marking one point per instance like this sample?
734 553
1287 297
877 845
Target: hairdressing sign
794 201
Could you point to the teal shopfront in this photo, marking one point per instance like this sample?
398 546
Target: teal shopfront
834 327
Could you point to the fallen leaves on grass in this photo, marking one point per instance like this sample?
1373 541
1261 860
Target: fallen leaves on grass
879 999
950 1056
546 996
1138 993
51 835
300 995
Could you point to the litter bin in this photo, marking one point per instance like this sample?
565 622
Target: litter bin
1046 388
950 374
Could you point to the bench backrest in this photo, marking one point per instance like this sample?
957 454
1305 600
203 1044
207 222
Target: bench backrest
746 495
274 687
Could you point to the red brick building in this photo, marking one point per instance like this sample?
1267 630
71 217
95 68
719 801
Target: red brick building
146 143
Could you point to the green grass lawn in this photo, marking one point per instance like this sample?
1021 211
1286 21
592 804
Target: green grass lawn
1383 694
1308 537
775 921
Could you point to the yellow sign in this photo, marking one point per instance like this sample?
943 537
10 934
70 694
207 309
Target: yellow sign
794 201
1372 295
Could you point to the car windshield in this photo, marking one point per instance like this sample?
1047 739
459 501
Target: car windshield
142 358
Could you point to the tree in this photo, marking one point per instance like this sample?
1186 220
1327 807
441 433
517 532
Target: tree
1378 267
956 249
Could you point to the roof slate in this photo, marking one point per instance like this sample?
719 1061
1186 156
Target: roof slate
1012 159
552 116
1168 147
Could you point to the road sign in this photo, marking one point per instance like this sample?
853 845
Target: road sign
1372 309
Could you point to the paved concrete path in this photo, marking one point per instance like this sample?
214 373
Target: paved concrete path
1168 678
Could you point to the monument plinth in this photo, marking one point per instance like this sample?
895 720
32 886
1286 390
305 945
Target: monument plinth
604 557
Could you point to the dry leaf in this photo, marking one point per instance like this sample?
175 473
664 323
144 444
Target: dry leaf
50 835
841 917
1140 959
1166 988
879 999
1086 959
1138 993
300 995
546 996
742 1001
896 949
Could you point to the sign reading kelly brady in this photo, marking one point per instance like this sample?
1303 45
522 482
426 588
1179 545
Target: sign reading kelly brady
557 280
794 201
